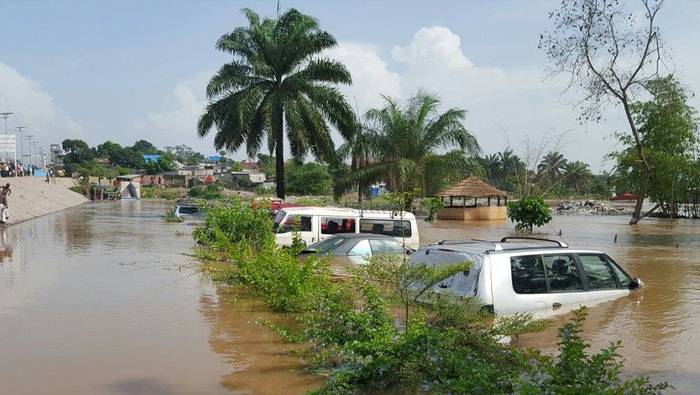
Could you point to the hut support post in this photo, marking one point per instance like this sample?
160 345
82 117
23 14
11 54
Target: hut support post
488 200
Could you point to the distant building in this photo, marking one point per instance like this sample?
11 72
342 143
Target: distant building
249 165
151 158
253 177
129 185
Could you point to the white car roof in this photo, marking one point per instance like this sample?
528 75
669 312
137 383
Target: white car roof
347 211
484 247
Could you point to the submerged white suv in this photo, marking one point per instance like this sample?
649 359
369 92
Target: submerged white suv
523 274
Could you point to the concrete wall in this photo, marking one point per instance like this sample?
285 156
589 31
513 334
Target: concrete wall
485 213
32 197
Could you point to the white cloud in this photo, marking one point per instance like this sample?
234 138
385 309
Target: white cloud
370 75
176 122
34 108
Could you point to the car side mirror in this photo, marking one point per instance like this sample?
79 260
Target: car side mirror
409 252
636 283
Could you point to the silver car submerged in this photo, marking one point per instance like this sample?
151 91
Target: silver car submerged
518 274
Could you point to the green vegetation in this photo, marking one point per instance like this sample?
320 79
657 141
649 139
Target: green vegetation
151 192
206 192
110 159
586 41
446 345
277 81
668 131
400 143
529 212
171 217
308 179
185 154
432 206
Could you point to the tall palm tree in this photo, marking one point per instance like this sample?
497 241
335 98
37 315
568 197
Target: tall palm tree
493 168
551 167
577 174
406 141
359 148
276 82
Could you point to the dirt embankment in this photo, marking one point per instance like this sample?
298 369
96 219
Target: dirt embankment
32 197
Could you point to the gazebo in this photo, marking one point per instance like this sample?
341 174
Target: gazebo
462 201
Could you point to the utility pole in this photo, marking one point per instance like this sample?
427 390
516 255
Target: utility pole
5 115
20 129
34 143
29 141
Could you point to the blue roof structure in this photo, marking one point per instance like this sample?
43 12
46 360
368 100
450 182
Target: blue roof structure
215 158
148 158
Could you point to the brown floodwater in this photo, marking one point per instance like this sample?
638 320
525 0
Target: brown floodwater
659 325
106 299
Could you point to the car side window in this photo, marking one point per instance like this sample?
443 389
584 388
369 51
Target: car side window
624 279
296 223
386 247
599 274
562 273
335 225
527 274
362 248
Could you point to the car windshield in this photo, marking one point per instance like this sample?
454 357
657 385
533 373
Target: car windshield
324 246
462 284
279 217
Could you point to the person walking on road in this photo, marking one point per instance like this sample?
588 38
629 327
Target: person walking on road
4 193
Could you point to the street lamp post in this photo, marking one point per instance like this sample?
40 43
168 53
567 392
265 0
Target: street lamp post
29 141
5 115
34 143
20 129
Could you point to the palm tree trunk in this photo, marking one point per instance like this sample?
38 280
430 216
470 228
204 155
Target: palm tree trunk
278 132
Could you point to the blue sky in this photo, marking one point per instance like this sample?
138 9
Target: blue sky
122 70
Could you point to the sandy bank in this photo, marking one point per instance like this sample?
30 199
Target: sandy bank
32 197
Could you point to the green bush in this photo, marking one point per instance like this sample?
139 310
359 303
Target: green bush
307 179
208 192
528 212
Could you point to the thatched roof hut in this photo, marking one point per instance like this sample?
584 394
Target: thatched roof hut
473 188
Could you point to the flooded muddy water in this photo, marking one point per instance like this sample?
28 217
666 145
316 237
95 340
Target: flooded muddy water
104 299
659 325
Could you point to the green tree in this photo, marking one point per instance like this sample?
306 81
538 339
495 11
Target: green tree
406 139
577 175
275 81
184 154
529 212
78 152
144 147
610 57
266 164
551 168
668 131
109 150
308 179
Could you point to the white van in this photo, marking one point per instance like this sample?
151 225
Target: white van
319 223
515 277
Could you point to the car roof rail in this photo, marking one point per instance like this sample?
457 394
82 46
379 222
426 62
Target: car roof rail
448 242
558 242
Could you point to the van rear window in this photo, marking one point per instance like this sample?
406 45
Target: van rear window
389 227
